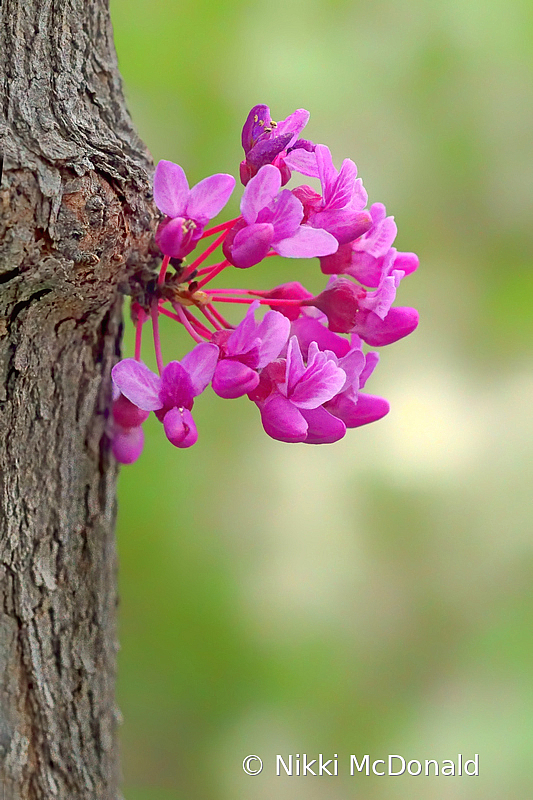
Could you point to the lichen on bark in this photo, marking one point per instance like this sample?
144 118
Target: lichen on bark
76 218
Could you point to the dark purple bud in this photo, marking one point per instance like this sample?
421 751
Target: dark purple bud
256 122
265 151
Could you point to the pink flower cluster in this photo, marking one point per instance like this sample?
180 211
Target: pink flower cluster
294 363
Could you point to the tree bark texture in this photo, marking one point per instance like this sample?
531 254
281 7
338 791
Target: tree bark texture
76 218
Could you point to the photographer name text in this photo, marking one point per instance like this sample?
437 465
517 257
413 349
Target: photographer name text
302 765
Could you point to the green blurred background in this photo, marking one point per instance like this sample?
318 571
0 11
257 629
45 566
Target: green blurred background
372 596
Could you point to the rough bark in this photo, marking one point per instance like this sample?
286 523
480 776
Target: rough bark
76 217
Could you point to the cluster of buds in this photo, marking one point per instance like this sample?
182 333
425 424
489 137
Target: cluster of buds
302 363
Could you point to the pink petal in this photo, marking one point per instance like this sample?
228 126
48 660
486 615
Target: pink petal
326 169
302 161
177 237
273 332
294 123
371 362
340 194
282 421
170 188
295 366
138 383
127 444
345 225
407 262
379 238
179 427
209 197
176 386
260 191
399 322
251 244
307 242
200 364
244 338
352 364
323 428
359 410
288 213
320 382
127 414
311 330
234 379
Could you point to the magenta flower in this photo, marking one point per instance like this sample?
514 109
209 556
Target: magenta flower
172 395
366 258
341 209
187 210
305 378
247 349
343 301
291 394
271 219
267 142
350 405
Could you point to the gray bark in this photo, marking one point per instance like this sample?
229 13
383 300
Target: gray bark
76 218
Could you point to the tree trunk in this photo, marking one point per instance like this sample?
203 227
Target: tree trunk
76 218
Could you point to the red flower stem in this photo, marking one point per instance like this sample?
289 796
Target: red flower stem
154 311
186 324
211 318
207 270
163 270
234 291
231 300
220 318
222 227
269 302
207 252
197 325
214 272
139 334
168 313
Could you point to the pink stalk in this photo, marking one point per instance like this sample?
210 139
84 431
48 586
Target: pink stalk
197 325
269 302
168 313
220 318
234 291
214 272
207 270
139 334
211 318
232 300
222 227
163 270
186 324
154 311
207 252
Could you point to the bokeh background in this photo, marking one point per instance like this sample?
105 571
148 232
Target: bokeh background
372 596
